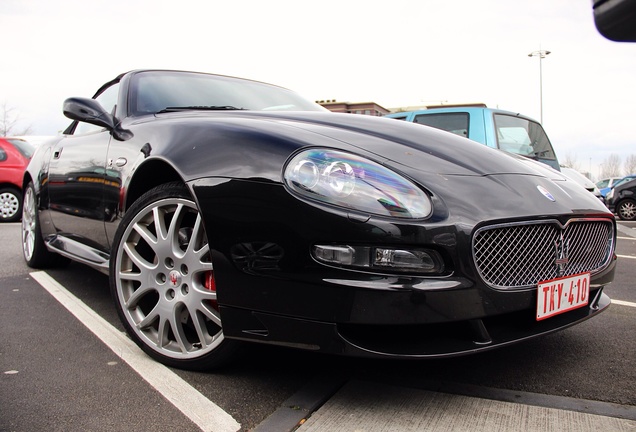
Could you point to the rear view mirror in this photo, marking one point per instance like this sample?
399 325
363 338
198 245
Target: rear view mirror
90 111
616 19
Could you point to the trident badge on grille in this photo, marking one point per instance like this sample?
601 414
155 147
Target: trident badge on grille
561 246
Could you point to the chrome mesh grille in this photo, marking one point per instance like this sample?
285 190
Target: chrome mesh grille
523 254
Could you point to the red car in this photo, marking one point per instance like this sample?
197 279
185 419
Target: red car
15 154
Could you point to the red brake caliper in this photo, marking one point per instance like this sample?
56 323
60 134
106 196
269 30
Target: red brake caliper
211 285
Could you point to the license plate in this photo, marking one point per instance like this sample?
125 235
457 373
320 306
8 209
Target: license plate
562 294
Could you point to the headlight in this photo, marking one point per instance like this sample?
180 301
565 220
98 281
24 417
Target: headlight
355 183
610 195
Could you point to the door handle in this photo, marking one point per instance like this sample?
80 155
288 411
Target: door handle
120 162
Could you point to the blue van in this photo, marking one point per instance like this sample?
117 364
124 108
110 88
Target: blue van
504 130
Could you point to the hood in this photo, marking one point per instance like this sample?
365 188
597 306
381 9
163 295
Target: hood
452 169
411 145
418 146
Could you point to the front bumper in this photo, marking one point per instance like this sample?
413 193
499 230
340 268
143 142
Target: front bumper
270 290
392 317
403 340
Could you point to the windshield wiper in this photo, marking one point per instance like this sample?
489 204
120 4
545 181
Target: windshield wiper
200 108
541 152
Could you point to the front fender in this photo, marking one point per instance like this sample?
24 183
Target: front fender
247 149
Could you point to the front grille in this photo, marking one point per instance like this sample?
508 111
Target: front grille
520 255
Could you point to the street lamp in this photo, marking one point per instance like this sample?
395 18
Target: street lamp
541 54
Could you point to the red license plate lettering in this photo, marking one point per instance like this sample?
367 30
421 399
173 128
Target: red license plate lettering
560 295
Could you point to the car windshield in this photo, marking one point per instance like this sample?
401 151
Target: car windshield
24 147
602 183
156 91
523 137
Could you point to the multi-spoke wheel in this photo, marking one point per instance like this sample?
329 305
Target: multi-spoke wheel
10 204
162 280
34 251
627 209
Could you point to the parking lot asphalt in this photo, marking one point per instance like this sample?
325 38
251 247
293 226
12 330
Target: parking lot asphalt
111 394
58 374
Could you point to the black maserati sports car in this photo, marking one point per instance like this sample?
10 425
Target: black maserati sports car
227 210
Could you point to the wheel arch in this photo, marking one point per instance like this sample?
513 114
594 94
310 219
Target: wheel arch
7 185
146 177
28 178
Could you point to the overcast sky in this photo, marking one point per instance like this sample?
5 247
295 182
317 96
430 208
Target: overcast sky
395 53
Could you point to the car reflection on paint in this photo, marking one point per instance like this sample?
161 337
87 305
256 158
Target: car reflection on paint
227 210
579 178
92 193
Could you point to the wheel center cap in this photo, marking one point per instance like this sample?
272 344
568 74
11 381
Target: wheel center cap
174 278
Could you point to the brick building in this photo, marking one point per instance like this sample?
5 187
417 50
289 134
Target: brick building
366 108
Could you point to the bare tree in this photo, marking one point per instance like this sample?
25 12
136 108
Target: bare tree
630 164
571 161
10 122
611 166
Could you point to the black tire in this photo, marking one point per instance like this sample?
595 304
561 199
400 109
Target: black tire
34 251
10 204
159 267
626 209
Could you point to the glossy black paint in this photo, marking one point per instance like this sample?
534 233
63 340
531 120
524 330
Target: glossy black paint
270 289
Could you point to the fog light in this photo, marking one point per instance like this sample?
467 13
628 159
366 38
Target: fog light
404 259
380 259
343 255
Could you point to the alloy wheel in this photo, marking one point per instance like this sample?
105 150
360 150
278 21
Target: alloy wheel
29 224
164 280
627 210
9 205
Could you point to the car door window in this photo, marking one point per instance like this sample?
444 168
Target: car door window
3 155
456 123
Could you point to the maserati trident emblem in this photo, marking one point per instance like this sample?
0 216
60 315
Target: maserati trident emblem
561 246
174 278
546 193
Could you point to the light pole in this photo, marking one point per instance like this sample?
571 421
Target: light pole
541 54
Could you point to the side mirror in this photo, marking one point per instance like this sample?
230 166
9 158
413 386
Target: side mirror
91 111
616 19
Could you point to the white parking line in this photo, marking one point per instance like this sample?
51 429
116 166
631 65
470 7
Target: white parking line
624 303
626 256
204 413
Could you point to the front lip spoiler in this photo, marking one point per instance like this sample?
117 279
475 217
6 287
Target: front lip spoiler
482 335
422 341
